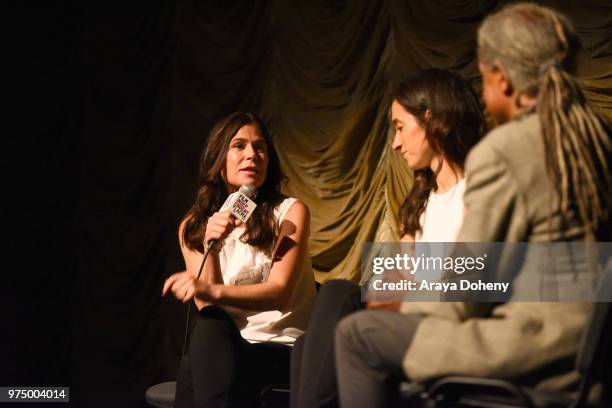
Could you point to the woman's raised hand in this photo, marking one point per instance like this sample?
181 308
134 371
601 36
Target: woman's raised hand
219 226
184 286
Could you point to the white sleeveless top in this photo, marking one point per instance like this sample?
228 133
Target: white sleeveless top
243 264
440 222
443 215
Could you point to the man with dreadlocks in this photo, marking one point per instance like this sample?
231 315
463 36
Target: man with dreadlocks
542 175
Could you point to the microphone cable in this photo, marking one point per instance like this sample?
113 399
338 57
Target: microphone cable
189 305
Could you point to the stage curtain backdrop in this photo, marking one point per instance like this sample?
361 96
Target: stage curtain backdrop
321 74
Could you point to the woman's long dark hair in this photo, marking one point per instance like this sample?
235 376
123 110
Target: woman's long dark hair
261 228
447 108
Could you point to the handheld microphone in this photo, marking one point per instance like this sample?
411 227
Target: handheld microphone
240 204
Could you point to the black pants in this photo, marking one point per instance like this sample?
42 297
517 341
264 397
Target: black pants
313 370
222 369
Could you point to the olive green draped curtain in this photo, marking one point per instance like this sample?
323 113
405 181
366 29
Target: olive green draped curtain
321 74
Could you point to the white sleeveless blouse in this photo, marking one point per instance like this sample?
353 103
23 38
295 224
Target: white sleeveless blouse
443 215
440 222
243 264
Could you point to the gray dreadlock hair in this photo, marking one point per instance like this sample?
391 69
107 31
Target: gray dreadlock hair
535 45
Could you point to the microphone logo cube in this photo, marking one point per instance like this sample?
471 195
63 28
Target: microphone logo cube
240 205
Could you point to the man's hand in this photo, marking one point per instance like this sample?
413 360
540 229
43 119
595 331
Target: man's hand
391 305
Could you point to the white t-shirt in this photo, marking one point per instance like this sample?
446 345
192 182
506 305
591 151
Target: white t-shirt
441 222
243 264
443 215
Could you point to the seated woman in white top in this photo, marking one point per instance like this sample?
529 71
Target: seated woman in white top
256 284
437 119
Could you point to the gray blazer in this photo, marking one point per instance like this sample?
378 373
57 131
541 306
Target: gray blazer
508 198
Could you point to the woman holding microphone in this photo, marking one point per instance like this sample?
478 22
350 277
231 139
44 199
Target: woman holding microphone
256 287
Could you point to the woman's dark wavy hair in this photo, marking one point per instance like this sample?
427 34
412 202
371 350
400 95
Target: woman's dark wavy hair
446 106
261 228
